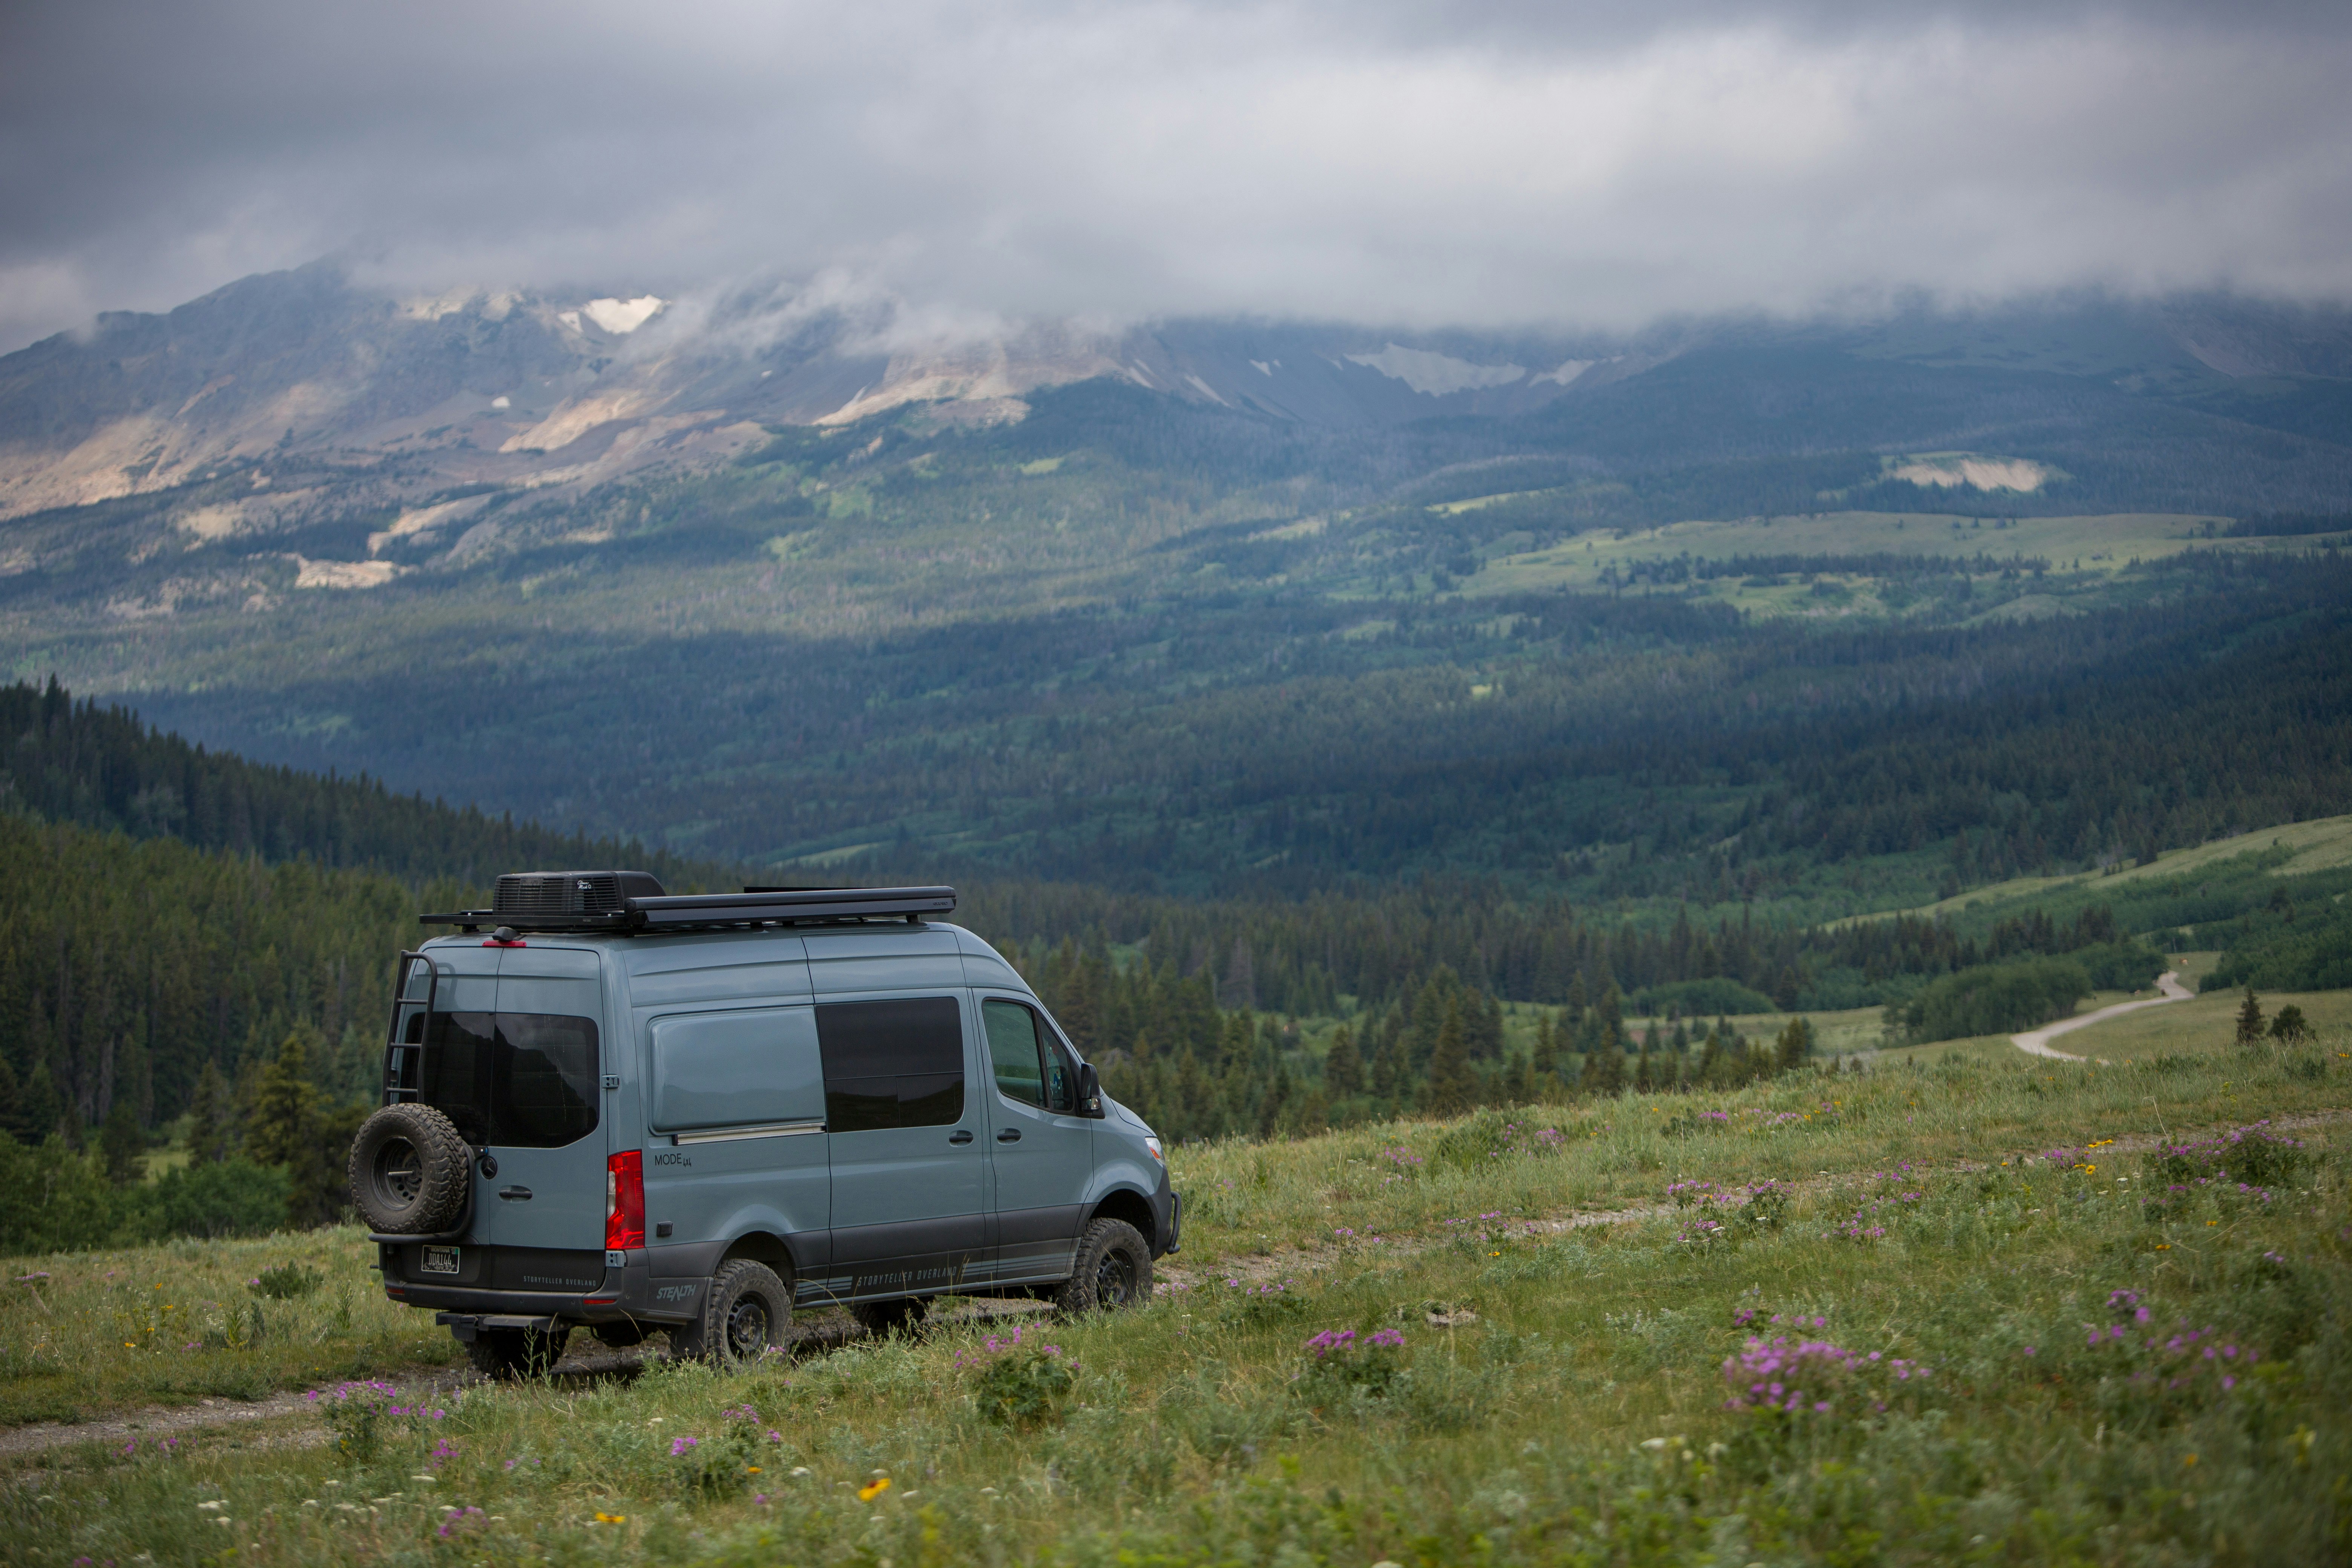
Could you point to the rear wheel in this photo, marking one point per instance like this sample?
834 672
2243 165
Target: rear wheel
507 1355
901 1315
746 1312
1113 1271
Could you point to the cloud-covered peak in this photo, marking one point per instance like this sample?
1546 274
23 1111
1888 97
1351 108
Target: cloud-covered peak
1479 164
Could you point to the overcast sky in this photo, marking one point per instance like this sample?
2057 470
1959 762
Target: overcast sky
1401 162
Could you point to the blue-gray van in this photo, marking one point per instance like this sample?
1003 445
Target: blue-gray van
634 1112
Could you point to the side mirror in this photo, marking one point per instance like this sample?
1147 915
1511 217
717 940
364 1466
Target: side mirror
1089 1090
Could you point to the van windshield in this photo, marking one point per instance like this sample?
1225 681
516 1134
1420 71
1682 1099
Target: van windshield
512 1080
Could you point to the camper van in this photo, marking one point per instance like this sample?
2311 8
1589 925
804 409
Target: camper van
611 1108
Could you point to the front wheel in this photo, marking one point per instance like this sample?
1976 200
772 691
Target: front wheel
1113 1271
746 1312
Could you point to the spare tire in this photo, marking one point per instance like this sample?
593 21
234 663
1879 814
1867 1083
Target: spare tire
410 1170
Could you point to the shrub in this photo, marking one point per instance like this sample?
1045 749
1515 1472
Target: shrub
1695 998
2254 1155
1813 1377
287 1282
362 1417
1341 1363
1758 1206
57 1200
735 1460
235 1197
2290 1027
1492 1135
2313 954
1261 1306
1018 1381
2119 965
1994 999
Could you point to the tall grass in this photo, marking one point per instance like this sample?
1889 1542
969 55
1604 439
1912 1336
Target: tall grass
2039 1300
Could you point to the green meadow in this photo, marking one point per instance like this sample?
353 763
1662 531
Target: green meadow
2085 558
1961 1306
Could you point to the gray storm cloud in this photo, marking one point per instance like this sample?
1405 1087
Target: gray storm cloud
1467 164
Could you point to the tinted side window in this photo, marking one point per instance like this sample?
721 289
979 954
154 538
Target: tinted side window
891 1064
1061 1077
1013 1051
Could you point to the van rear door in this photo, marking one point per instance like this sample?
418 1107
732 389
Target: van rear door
548 1119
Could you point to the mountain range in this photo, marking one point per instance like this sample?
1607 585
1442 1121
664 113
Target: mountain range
410 396
810 577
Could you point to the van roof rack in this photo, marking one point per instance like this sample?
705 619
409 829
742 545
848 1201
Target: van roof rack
699 911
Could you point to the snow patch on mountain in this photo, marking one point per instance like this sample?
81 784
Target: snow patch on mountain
1955 469
1567 371
621 317
1436 374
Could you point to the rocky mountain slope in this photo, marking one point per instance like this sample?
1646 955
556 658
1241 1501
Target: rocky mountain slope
407 398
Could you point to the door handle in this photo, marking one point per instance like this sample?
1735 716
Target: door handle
1010 1135
514 1194
960 1135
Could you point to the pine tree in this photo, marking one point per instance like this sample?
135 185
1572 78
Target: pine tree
286 1129
12 1103
1450 1086
1604 1070
1543 1062
212 1120
2290 1027
1343 1068
1486 1027
1194 1116
1276 1103
120 1142
1641 1083
2249 1020
1796 1044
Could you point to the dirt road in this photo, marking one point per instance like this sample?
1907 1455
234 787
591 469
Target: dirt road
2036 1042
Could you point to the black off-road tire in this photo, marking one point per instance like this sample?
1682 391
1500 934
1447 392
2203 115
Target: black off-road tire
746 1313
510 1354
410 1172
1113 1271
900 1315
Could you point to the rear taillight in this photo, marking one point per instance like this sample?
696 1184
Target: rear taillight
625 1201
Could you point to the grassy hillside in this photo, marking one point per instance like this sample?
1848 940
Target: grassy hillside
1986 1290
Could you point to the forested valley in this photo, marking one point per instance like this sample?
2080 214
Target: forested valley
197 953
1313 773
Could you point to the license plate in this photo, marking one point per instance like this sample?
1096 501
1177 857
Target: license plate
438 1260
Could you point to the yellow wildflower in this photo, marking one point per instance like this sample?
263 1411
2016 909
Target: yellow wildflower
874 1489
